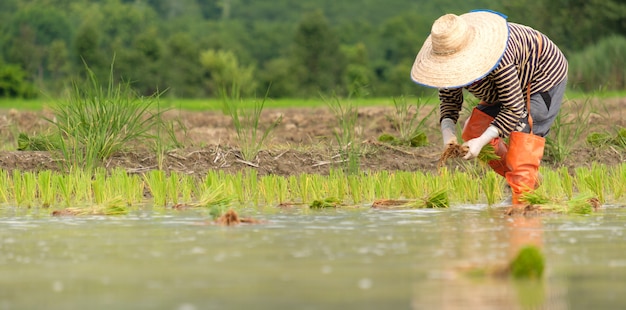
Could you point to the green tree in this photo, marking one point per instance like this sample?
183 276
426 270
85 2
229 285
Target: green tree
182 71
13 82
88 50
224 73
59 65
319 64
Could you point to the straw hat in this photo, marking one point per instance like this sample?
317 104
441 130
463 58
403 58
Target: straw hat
461 49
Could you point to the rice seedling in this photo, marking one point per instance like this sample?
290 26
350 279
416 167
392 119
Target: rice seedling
550 183
24 188
213 195
464 186
404 120
98 186
436 199
65 188
567 182
617 183
250 136
173 187
128 186
187 187
5 185
156 181
486 154
237 181
251 186
537 198
348 133
583 203
592 179
567 129
384 185
45 185
355 189
111 206
268 187
491 183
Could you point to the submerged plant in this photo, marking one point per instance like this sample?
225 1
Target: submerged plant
528 264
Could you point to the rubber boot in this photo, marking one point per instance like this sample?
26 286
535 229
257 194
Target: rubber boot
474 127
523 158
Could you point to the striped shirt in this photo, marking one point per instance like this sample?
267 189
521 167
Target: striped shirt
506 84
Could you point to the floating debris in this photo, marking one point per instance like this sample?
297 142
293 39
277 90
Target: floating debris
114 206
390 203
231 218
330 202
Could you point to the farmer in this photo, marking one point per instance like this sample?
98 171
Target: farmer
518 74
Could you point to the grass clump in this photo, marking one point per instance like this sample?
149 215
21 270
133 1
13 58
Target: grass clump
246 120
405 120
349 133
567 128
99 120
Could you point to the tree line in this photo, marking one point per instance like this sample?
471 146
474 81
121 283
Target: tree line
204 48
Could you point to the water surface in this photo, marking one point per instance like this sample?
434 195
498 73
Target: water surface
303 259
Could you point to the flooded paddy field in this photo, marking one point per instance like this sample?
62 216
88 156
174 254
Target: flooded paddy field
310 259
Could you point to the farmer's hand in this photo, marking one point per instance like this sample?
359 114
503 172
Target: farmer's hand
475 145
448 131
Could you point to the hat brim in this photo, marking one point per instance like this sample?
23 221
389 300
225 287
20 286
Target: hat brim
479 57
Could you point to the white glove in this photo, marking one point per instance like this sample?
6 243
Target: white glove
476 144
448 131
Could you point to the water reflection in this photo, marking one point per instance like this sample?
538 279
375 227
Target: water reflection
476 277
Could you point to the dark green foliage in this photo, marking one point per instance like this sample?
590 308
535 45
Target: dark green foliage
300 48
318 63
13 83
528 264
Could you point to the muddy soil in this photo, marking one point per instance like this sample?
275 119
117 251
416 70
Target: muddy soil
304 142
